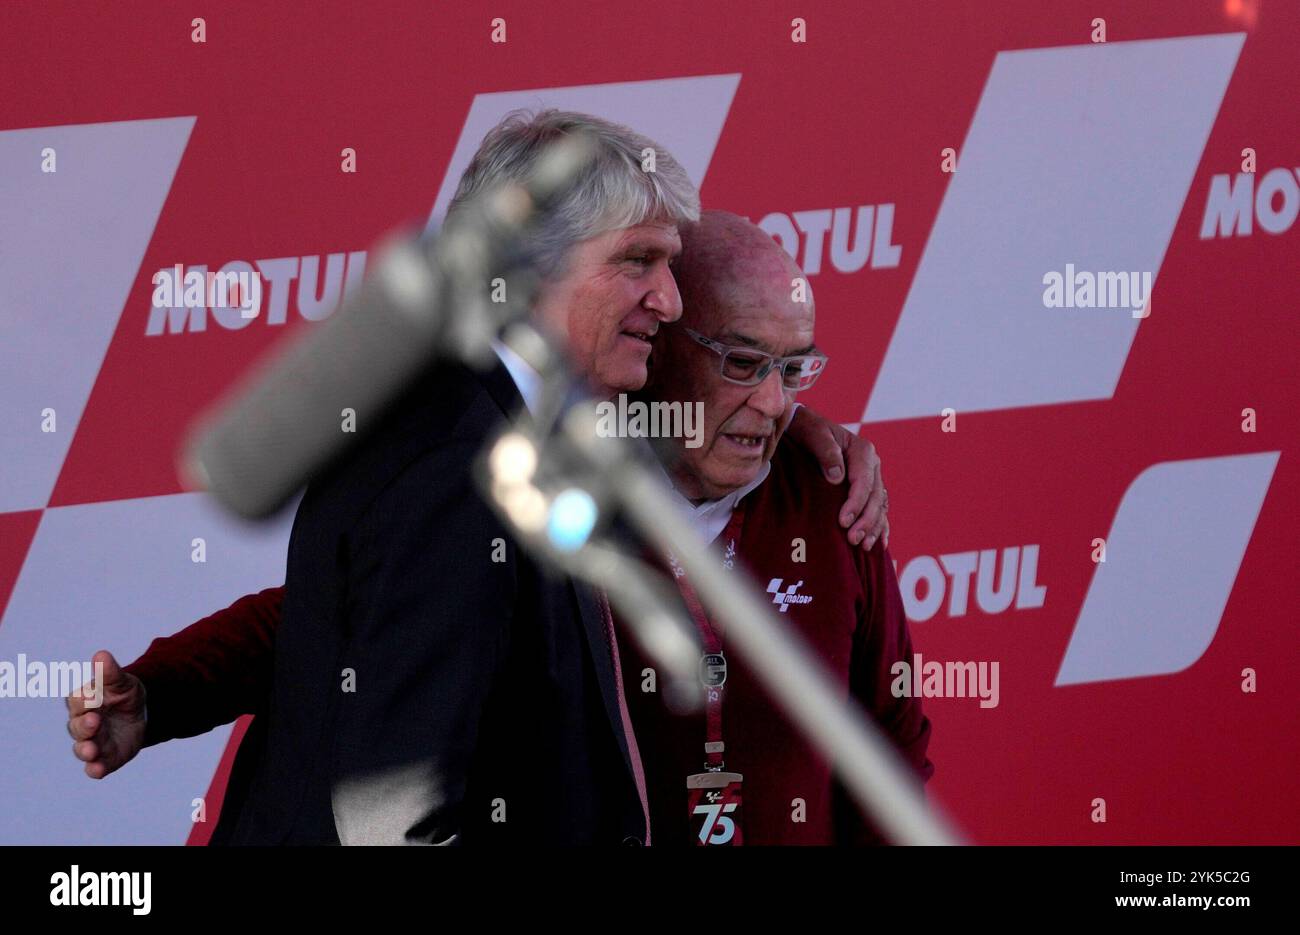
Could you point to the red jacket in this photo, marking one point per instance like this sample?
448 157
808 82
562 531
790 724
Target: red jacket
213 671
854 622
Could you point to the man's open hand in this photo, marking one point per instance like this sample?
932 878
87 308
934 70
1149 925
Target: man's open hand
108 736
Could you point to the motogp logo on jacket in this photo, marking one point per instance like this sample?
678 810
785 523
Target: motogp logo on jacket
787 597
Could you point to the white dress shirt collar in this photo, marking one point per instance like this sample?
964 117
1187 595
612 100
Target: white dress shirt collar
710 517
527 380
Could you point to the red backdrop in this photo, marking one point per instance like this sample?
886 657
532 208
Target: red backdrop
1127 689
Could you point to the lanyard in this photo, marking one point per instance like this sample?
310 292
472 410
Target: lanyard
713 665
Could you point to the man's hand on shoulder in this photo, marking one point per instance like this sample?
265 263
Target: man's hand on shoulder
865 511
109 735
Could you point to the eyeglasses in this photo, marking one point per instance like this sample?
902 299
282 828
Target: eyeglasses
748 367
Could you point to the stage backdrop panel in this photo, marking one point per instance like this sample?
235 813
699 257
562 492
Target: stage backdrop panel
931 166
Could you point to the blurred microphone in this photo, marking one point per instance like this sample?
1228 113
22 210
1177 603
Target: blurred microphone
423 300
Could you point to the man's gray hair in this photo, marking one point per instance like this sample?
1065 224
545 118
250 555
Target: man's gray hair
613 191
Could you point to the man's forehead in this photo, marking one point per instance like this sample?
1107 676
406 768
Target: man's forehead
662 235
775 327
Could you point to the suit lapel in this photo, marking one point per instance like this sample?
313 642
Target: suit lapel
593 624
501 387
497 381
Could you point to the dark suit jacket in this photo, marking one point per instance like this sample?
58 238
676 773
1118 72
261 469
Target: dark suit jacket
423 693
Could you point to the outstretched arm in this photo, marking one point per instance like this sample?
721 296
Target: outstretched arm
206 675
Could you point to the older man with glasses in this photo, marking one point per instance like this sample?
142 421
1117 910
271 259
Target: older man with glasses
740 772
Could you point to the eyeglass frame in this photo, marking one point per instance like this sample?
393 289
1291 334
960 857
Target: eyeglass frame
722 350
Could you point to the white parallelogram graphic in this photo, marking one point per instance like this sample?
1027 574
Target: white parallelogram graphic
1172 557
114 576
1080 155
71 242
685 115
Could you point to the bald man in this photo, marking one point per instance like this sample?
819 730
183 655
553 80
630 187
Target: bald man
745 348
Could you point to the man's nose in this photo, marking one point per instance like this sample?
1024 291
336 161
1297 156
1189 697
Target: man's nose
769 396
663 298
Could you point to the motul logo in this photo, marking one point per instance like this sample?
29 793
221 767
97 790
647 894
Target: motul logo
315 297
857 235
1234 205
926 581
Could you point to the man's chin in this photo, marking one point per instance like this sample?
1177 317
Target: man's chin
627 378
733 478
